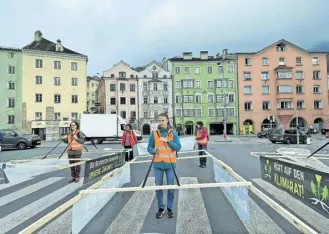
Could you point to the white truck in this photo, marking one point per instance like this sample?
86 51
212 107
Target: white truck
103 127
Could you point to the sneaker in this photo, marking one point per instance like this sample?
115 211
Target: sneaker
170 214
160 213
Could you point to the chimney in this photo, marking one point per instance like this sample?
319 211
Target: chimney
204 55
38 35
164 63
224 53
59 46
187 56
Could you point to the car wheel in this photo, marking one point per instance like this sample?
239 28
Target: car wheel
21 146
95 141
288 141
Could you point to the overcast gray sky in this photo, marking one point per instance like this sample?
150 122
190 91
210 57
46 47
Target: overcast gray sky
138 31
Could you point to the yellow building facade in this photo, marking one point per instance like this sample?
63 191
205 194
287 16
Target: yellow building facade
54 87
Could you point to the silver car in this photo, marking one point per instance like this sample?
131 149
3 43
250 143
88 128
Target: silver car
13 139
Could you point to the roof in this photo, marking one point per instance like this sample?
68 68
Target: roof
9 48
283 67
93 78
141 68
285 42
229 56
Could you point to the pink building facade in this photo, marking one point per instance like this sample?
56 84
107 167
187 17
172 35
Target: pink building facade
118 91
283 81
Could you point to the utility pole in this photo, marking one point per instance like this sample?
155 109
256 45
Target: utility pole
297 125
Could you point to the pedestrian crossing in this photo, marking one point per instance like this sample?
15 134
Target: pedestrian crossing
196 210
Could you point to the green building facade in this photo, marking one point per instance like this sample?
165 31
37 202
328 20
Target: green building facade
10 88
205 89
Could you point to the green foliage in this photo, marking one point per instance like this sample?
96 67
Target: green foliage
314 190
324 193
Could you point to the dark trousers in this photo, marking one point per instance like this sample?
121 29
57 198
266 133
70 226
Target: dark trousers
75 170
129 155
203 160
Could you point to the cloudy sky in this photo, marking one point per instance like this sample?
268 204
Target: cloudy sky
138 31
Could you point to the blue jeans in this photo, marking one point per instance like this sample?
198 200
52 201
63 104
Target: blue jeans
158 174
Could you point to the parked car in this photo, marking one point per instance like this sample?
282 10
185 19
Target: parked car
287 136
264 133
13 139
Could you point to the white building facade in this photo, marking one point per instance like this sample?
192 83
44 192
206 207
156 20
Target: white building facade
155 95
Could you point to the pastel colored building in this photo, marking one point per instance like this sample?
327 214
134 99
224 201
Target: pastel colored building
54 81
92 86
10 88
205 89
284 81
155 95
118 91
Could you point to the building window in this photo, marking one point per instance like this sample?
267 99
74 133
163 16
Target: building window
210 98
57 65
132 101
38 115
57 98
264 61
57 116
231 98
197 84
155 74
197 70
178 112
248 106
247 61
316 89
132 88
188 98
38 63
220 69
74 81
11 85
300 104
11 102
211 112
220 112
247 75
282 62
284 89
188 112
198 112
112 87
209 69
219 98
230 83
266 105
122 87
299 75
178 85
145 86
283 75
74 115
247 90
300 89
178 99
11 70
74 98
112 101
146 114
122 75
285 105
10 55
231 112
265 89
198 98
210 84
281 47
298 61
230 69
155 86
187 70
187 84
38 97
156 114
155 100
145 101
316 75
165 100
315 61
165 86
38 80
177 70
122 100
57 81
11 119
318 104
74 66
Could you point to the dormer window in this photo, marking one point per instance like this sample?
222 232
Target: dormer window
281 47
122 75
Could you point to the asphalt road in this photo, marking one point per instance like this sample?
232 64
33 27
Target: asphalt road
204 211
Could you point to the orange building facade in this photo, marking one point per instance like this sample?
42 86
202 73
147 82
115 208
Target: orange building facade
283 81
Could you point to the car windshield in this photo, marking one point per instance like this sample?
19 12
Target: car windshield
21 132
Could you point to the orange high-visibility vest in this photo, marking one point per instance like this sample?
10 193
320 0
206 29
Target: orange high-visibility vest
74 145
163 152
203 141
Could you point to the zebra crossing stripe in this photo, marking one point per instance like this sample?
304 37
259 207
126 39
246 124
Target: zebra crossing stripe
4 186
62 225
132 216
14 219
191 212
28 190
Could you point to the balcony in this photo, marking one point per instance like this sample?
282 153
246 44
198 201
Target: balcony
290 111
147 93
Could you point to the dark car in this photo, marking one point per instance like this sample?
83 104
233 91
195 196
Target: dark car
264 133
13 139
287 136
